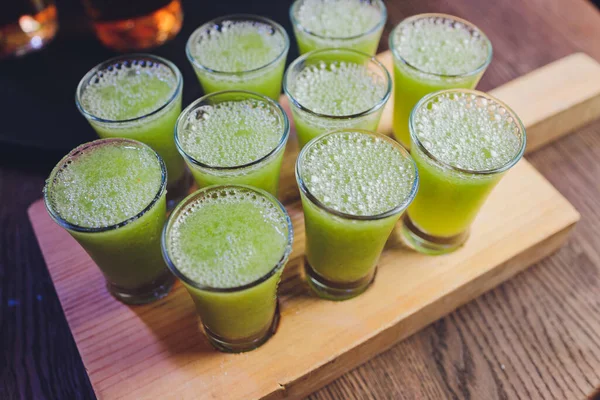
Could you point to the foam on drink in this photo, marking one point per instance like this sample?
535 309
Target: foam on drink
129 90
104 184
227 238
231 133
237 46
338 18
441 46
338 88
357 173
467 131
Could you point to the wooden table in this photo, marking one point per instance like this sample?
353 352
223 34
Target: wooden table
534 337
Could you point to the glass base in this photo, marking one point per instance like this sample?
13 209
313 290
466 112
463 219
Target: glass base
242 345
336 291
143 295
178 190
420 241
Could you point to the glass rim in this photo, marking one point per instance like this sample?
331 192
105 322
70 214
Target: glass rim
469 24
100 142
380 103
246 17
516 120
380 24
280 145
131 57
395 210
192 197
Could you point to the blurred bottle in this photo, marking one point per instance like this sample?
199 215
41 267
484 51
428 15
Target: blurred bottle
126 25
26 25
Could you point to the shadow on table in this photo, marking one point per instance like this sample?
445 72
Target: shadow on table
174 323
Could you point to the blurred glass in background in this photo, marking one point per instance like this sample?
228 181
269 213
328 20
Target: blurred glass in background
26 25
126 25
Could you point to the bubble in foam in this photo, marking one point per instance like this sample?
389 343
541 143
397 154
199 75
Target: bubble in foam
440 45
104 184
467 131
338 18
338 88
231 133
236 46
357 173
129 90
229 237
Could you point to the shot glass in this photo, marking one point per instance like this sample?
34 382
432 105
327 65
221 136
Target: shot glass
311 123
262 172
264 79
128 252
343 248
313 33
450 196
154 126
411 83
234 318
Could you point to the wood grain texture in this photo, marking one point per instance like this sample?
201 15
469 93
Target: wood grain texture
556 99
157 351
537 331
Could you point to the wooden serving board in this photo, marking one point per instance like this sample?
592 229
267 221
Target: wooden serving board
157 351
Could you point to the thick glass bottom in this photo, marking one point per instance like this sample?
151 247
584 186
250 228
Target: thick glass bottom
336 291
145 294
246 344
178 190
424 243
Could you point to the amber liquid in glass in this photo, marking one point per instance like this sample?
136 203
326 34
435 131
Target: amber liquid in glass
26 25
135 24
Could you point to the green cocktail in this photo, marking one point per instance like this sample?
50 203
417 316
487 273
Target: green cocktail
335 88
434 52
138 97
354 186
234 137
228 245
462 141
351 24
110 196
239 52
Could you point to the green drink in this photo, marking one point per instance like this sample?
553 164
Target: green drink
110 196
138 97
354 186
239 52
228 245
462 141
234 137
351 24
333 89
434 52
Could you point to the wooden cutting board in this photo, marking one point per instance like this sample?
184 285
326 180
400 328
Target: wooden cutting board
157 351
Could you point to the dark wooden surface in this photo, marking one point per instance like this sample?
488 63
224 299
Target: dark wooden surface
535 337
